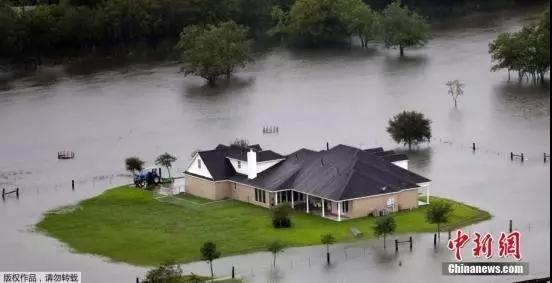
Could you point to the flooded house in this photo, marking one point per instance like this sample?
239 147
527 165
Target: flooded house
339 183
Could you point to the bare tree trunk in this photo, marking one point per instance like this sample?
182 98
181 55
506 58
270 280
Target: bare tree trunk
211 266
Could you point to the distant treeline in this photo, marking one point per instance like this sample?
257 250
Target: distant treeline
32 30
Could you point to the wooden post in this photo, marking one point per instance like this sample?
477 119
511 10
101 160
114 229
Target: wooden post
522 157
510 226
512 156
137 280
17 192
396 245
233 273
328 257
3 193
435 240
73 185
473 146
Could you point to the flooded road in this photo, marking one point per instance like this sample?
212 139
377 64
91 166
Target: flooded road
314 97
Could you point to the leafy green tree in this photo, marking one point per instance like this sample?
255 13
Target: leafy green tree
365 24
209 253
275 248
165 160
410 128
134 164
438 212
384 226
166 273
403 28
327 239
320 21
213 51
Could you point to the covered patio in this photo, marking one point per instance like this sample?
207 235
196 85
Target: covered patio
334 210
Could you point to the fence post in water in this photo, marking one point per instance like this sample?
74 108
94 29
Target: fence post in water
510 226
449 235
396 245
233 273
137 280
73 185
410 239
3 193
512 156
473 146
434 240
17 192
522 157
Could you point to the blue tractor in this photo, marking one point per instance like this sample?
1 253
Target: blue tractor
148 177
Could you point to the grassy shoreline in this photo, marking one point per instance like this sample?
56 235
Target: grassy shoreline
134 226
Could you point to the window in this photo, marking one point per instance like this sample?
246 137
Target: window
260 196
199 163
239 164
345 207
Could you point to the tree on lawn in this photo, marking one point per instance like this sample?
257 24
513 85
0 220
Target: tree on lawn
275 248
214 50
165 160
384 226
327 239
403 28
438 212
209 253
410 128
134 164
456 89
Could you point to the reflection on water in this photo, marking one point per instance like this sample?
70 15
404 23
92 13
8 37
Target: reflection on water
330 95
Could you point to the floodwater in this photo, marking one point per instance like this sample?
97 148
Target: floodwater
314 97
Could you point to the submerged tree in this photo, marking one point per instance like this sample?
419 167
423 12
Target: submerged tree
209 253
327 239
214 50
438 212
456 89
165 160
402 28
410 128
167 273
384 226
134 164
275 248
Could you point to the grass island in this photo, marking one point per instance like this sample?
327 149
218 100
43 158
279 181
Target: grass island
139 227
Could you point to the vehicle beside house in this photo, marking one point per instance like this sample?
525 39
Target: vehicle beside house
339 183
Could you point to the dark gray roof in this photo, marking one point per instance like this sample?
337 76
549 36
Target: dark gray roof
341 173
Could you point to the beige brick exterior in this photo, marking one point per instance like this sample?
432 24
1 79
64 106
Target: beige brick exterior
357 208
365 206
208 189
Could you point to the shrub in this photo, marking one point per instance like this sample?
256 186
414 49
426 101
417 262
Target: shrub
280 217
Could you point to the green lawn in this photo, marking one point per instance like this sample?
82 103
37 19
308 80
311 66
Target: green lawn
131 225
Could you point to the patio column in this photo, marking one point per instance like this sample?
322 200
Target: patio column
338 211
292 200
427 194
307 203
276 199
323 208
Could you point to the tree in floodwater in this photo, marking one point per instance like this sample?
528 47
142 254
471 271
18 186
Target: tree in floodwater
209 253
438 212
410 128
456 89
402 28
526 51
214 50
275 248
365 24
384 226
327 239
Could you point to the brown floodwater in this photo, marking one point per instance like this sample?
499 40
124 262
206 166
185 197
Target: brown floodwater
314 97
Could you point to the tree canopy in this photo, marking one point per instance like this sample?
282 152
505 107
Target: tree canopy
214 50
402 28
410 128
384 226
166 160
134 164
526 51
438 212
209 253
